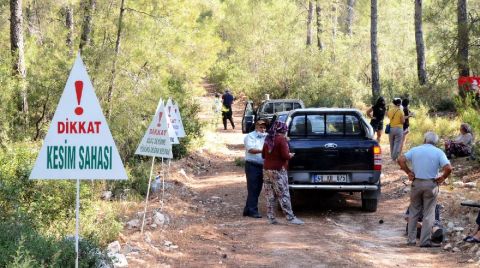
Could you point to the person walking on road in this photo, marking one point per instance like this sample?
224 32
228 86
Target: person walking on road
227 101
216 109
377 113
406 124
396 116
254 167
275 180
426 160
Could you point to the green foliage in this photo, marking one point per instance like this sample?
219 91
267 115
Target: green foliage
175 41
49 206
22 258
423 121
189 113
239 162
266 53
441 41
41 202
22 246
470 116
165 51
468 110
101 222
446 104
137 183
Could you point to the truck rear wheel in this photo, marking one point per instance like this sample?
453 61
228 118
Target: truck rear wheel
369 205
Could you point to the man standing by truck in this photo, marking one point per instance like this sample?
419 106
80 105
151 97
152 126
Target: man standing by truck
254 167
426 160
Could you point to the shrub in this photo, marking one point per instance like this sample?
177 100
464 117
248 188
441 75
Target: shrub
468 109
423 122
446 105
136 185
22 246
470 116
239 162
49 206
190 109
100 222
41 202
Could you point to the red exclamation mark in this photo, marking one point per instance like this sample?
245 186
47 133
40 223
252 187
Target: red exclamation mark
78 91
159 119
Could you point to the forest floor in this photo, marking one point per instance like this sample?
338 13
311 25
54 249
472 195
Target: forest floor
204 198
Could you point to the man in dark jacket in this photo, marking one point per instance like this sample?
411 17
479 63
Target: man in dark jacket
227 101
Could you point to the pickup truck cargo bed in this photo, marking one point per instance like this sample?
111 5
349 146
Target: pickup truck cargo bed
334 150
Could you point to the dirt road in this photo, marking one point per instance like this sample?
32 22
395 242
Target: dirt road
205 202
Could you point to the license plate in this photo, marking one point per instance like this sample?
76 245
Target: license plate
330 178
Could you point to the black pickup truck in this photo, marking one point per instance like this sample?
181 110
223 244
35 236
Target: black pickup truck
335 151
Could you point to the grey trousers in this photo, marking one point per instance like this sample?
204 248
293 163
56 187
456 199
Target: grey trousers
423 196
395 138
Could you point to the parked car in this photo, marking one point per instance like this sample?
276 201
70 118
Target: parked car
335 150
266 110
281 116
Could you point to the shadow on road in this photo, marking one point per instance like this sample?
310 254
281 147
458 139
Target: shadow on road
318 202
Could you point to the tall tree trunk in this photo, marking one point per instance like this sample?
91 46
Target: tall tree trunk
350 15
16 38
34 27
17 50
114 65
334 29
69 26
462 57
89 7
318 11
334 20
309 23
30 17
421 68
373 48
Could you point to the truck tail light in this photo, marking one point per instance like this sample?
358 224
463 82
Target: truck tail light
377 158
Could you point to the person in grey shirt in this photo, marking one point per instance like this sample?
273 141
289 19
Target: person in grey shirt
426 160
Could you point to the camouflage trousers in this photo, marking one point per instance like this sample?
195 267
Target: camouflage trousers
275 186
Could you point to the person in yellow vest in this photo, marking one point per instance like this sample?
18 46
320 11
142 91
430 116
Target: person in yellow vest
397 118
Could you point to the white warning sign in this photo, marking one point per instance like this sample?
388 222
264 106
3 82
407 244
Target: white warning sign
78 144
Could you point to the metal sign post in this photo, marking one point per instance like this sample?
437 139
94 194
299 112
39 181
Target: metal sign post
148 193
77 221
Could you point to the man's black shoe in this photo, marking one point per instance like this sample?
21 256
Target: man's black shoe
253 215
431 245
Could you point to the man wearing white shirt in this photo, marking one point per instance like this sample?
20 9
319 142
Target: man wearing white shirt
425 160
254 167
